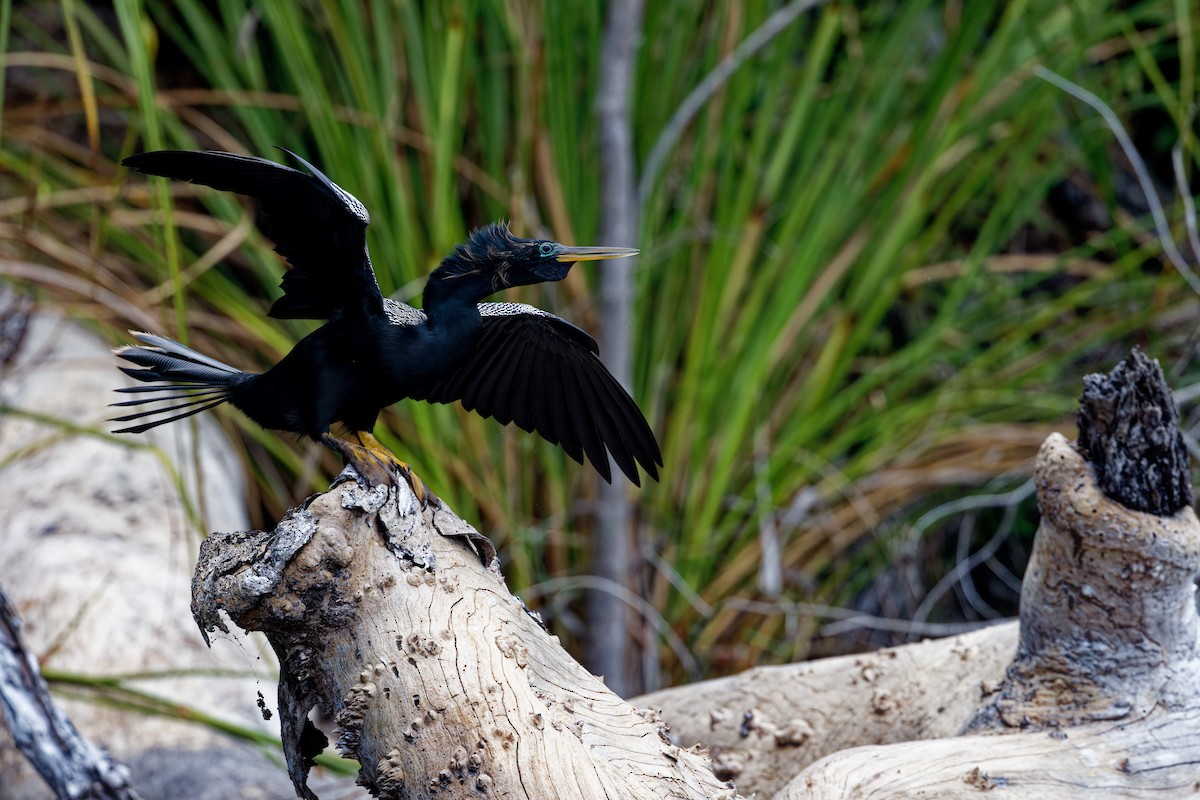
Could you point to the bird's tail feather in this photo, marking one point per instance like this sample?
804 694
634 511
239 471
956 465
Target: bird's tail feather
178 373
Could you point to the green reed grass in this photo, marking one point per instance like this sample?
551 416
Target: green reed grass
780 344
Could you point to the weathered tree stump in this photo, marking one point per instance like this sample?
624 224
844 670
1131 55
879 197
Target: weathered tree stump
441 682
1101 699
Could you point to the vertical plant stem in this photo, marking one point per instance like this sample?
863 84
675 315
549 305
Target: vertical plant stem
133 22
609 629
5 22
712 84
446 136
83 74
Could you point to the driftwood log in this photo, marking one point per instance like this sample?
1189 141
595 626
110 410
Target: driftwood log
766 724
396 621
442 684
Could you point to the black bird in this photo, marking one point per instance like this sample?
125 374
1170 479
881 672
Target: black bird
510 361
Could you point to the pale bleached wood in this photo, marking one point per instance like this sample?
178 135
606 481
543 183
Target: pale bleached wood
441 682
767 723
1146 759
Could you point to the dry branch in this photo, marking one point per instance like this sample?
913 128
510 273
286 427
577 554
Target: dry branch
765 724
73 767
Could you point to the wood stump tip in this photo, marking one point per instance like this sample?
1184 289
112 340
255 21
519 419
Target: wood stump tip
1129 432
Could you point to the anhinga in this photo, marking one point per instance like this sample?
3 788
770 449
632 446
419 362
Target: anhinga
510 361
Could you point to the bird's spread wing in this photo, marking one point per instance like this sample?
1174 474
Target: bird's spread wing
544 374
316 225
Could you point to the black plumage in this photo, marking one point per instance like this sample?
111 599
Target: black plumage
510 361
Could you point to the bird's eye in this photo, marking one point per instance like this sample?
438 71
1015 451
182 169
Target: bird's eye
546 249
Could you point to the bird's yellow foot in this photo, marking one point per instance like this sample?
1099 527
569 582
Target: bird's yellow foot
376 448
365 463
376 464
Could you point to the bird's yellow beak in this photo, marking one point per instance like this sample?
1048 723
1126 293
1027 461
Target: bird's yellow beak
592 253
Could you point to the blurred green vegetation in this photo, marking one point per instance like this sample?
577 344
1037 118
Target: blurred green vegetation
870 282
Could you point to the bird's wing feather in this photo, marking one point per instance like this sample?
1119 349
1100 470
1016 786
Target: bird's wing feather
403 314
567 329
544 374
316 225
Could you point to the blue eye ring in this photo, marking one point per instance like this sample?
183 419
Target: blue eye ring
546 249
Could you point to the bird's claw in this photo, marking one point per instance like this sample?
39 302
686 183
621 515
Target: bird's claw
385 471
423 495
373 471
378 467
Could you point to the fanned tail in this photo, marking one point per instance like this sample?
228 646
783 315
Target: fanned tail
176 373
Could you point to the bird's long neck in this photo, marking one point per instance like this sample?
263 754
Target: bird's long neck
454 291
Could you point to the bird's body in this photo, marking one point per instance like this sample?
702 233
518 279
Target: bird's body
345 371
510 361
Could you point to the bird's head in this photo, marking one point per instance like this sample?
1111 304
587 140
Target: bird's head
506 260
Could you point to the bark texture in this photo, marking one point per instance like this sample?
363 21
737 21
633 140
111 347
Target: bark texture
1129 432
441 682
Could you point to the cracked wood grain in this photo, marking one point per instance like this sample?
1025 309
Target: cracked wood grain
1143 758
